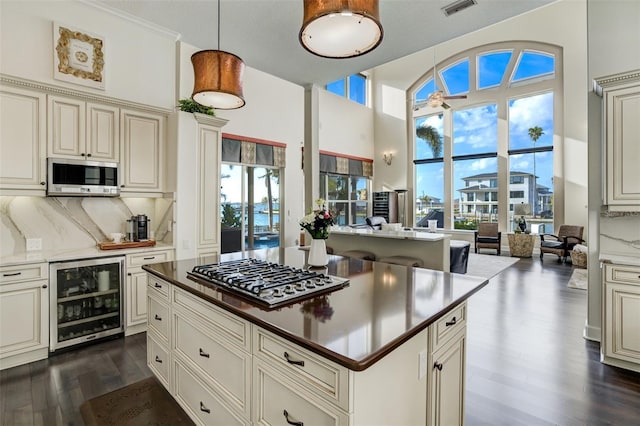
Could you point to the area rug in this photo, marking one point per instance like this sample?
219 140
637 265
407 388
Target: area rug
488 266
579 279
142 403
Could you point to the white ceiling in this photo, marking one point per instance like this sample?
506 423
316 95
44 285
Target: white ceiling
264 33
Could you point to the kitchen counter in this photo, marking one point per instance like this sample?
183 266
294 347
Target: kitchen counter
620 259
384 305
60 255
431 248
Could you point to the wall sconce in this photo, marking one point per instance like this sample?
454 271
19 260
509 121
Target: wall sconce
387 158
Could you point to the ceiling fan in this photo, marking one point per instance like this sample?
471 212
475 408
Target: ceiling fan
437 98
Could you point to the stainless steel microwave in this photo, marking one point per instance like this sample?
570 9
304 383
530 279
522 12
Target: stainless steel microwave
82 178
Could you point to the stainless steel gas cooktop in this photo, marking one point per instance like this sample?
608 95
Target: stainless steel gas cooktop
269 284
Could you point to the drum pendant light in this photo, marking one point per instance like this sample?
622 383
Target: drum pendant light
218 77
341 28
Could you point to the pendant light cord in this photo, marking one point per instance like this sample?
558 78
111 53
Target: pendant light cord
218 24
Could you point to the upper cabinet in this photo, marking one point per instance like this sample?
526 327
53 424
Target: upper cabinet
621 94
79 129
142 160
22 139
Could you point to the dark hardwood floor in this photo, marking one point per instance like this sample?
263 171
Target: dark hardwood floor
527 363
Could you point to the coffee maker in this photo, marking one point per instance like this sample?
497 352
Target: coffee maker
138 228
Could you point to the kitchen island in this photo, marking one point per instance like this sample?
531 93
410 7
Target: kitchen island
387 349
431 248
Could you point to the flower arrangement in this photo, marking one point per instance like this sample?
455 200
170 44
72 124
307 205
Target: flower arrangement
317 222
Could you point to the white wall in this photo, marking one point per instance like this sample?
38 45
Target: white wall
139 59
563 24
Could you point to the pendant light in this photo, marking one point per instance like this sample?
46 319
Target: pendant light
217 77
341 28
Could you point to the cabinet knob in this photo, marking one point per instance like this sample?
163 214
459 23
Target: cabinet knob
438 366
121 186
82 154
43 183
129 273
88 155
44 286
286 417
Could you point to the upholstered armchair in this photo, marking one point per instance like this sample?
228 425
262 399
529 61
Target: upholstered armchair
561 243
487 236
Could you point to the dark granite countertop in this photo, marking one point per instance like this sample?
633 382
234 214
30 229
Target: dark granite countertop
383 306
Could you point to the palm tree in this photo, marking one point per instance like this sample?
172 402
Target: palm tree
535 133
430 135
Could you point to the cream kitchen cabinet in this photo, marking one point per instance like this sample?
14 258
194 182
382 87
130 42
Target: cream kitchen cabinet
136 288
196 178
24 314
79 129
142 139
621 95
621 316
22 140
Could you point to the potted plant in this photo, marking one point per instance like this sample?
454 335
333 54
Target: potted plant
231 229
189 105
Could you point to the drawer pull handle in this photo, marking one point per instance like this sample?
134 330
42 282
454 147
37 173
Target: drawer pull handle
156 285
158 360
300 363
149 258
286 417
204 354
438 366
157 317
12 275
452 322
204 409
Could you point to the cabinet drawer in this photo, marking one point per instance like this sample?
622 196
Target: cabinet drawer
203 405
158 317
158 287
158 360
447 326
20 273
229 326
224 366
279 401
622 274
320 376
149 257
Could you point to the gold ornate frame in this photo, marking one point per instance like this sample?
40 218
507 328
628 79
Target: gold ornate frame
78 57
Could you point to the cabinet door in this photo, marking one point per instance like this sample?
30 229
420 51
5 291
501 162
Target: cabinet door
142 154
67 127
22 139
103 131
136 297
622 322
209 186
446 388
623 149
24 317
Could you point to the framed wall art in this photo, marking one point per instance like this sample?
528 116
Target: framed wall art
78 56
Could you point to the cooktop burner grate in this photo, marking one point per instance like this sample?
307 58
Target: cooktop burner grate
269 284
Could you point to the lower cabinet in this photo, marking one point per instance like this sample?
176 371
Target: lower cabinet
24 314
226 370
136 288
621 316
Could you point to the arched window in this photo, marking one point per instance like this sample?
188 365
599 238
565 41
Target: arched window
487 103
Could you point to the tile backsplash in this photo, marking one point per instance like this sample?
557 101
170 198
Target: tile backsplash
76 222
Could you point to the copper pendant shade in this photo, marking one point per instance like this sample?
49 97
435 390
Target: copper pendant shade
217 79
341 28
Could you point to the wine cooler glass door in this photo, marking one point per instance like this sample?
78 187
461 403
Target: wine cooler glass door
86 300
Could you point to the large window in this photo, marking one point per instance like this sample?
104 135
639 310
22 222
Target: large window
456 144
353 88
347 197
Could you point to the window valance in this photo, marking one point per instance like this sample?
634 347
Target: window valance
331 162
252 151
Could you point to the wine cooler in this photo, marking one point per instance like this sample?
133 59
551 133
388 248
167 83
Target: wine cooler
86 300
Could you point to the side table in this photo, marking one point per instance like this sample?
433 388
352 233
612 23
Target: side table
521 245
